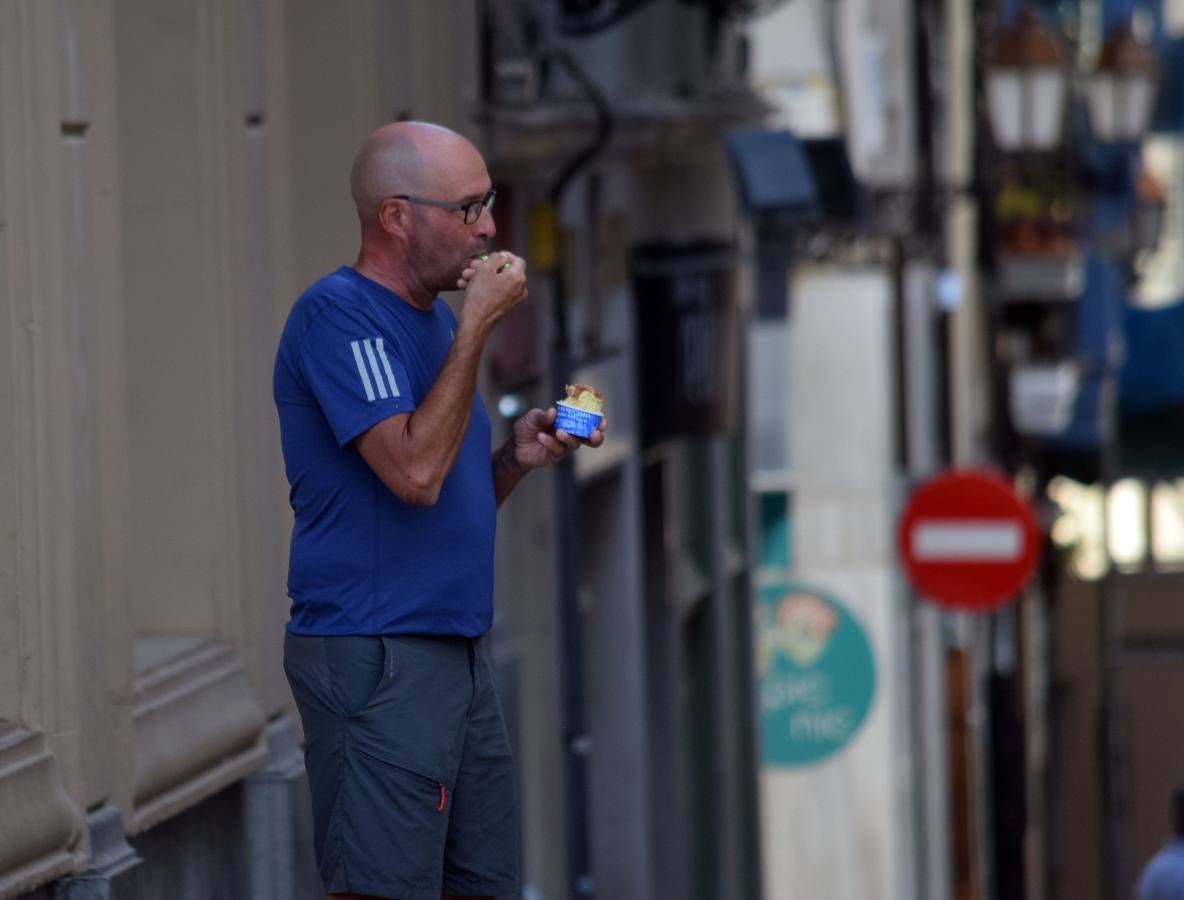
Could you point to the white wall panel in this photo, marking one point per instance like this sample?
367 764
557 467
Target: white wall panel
841 828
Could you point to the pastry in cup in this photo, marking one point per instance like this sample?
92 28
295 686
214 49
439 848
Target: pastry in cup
580 412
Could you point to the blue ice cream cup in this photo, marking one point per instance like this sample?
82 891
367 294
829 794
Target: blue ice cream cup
576 421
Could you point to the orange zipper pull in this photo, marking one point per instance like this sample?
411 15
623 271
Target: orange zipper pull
443 798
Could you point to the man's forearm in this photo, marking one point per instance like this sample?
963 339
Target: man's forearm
414 453
436 428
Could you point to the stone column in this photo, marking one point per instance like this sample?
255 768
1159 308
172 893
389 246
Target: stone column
40 740
196 721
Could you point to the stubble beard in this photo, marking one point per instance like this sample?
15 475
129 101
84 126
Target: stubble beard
444 271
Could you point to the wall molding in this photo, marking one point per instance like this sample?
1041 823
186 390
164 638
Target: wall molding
41 828
196 725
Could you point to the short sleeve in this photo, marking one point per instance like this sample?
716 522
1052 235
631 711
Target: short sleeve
354 371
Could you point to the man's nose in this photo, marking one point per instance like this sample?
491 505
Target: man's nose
486 227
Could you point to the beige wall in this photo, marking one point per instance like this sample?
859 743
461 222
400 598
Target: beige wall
40 741
172 174
181 166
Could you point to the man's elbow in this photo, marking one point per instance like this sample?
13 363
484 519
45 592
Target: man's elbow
417 488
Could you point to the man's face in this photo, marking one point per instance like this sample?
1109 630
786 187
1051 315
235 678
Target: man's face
441 243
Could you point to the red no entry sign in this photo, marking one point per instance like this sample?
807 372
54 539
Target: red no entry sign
968 540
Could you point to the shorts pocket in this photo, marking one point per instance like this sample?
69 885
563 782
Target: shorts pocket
358 667
415 777
427 775
397 822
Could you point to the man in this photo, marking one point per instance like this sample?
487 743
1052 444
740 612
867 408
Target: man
1163 876
394 488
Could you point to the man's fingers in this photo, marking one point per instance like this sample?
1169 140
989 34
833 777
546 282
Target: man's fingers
558 441
501 261
550 444
508 262
502 264
466 276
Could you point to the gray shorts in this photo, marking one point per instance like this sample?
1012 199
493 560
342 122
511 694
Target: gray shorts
412 781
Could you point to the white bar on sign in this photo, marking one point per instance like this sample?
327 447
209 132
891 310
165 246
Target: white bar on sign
968 540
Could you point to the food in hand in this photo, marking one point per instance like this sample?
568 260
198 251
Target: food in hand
580 412
584 396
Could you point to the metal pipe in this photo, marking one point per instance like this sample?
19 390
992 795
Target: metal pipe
724 687
1115 856
574 728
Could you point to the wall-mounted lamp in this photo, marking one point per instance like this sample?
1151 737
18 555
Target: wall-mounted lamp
1026 87
1121 90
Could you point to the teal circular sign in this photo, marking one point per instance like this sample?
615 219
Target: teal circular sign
815 674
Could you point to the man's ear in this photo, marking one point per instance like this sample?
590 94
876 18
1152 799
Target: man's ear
392 215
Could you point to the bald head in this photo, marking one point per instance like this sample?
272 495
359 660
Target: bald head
401 158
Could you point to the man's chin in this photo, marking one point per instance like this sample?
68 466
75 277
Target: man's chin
451 283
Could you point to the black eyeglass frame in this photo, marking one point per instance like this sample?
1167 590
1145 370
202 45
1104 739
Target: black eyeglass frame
480 204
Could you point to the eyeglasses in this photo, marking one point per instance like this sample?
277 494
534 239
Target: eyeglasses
472 209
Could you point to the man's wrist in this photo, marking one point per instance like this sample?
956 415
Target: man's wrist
510 456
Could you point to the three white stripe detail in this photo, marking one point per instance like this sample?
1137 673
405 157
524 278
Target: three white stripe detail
379 382
374 368
386 364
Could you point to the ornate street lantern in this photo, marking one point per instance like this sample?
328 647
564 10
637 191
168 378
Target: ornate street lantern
1026 87
1122 88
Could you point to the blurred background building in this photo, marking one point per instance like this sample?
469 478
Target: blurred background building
814 252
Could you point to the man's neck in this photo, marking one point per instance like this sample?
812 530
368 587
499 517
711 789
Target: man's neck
395 280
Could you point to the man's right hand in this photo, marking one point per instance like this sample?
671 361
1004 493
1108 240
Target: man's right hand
492 287
412 453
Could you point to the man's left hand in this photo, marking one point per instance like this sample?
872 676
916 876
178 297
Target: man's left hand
536 442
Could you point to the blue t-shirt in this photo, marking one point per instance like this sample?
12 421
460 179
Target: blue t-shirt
362 561
1163 877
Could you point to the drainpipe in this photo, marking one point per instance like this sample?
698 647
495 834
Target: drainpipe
576 741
